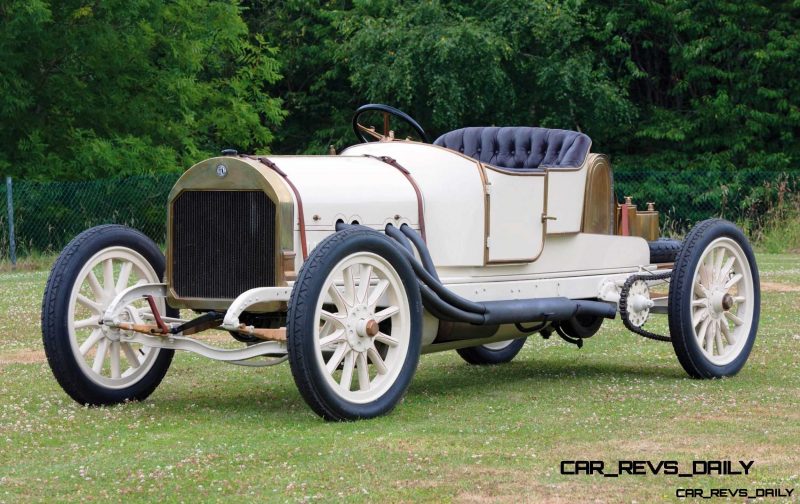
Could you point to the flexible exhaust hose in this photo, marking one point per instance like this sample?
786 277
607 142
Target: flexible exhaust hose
424 254
444 304
444 293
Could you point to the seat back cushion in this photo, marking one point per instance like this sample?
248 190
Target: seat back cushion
519 147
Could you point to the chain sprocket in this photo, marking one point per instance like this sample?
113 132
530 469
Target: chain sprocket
623 304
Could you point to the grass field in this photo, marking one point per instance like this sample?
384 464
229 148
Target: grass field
475 434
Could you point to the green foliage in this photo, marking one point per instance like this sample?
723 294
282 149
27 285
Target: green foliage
315 89
716 83
124 87
696 102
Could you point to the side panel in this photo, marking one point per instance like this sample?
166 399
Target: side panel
454 198
565 188
349 188
563 256
516 206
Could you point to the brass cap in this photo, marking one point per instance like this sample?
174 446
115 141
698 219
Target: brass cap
372 328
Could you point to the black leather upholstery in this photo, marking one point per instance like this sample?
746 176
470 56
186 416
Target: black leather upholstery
520 147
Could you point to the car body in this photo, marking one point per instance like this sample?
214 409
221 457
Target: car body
352 264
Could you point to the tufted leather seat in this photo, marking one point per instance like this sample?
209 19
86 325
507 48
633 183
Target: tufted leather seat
520 147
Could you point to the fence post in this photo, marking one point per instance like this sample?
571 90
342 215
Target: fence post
12 244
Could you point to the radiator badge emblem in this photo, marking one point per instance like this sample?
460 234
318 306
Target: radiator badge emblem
222 170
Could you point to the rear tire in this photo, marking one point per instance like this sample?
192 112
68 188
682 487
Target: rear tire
92 365
664 250
714 300
582 326
492 353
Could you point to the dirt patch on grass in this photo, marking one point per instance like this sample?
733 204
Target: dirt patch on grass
779 287
23 357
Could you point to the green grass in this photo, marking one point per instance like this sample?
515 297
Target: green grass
219 432
781 237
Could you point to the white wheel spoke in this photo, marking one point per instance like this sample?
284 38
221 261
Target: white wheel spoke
346 353
88 303
363 371
347 370
720 256
97 366
710 339
721 310
377 292
701 333
349 283
386 339
115 351
337 357
705 278
130 354
718 339
91 341
726 332
124 276
701 315
699 290
340 302
733 281
87 322
375 357
386 313
325 329
330 317
327 340
363 283
108 362
108 275
94 283
726 269
733 318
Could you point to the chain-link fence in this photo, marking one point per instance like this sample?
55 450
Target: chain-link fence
47 215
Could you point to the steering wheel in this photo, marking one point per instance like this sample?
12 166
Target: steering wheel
365 133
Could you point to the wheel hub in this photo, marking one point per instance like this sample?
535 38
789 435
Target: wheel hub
719 303
639 303
360 328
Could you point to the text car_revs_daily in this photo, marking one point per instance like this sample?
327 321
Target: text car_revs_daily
660 467
742 493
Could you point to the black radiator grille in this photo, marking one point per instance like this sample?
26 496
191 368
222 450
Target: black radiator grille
223 243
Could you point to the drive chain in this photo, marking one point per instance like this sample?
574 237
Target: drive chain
623 304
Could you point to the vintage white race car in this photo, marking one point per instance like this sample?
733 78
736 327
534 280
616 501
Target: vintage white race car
352 265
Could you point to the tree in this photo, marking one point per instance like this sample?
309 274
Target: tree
129 86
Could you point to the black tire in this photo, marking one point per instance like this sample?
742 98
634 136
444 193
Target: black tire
682 332
582 326
664 250
55 316
482 355
311 382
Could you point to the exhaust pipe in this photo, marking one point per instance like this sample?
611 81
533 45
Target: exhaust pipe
447 305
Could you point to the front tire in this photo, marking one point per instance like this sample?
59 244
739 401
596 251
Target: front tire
345 366
714 300
90 363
